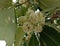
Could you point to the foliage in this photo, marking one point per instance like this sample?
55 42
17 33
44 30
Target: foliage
49 22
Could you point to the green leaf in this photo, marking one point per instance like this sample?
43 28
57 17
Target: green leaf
19 36
33 41
46 4
58 21
50 37
53 26
5 3
7 25
20 11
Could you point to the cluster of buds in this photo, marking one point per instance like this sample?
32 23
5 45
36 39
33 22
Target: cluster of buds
32 21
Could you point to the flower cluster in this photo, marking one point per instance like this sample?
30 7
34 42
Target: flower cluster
32 21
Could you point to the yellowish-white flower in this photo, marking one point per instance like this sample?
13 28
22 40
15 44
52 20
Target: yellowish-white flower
27 27
41 18
28 37
26 4
33 18
22 1
38 28
29 12
22 19
32 21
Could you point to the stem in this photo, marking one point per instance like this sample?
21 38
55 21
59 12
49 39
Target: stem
38 36
15 16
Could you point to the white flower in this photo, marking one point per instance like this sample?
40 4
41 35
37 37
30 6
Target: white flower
14 1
